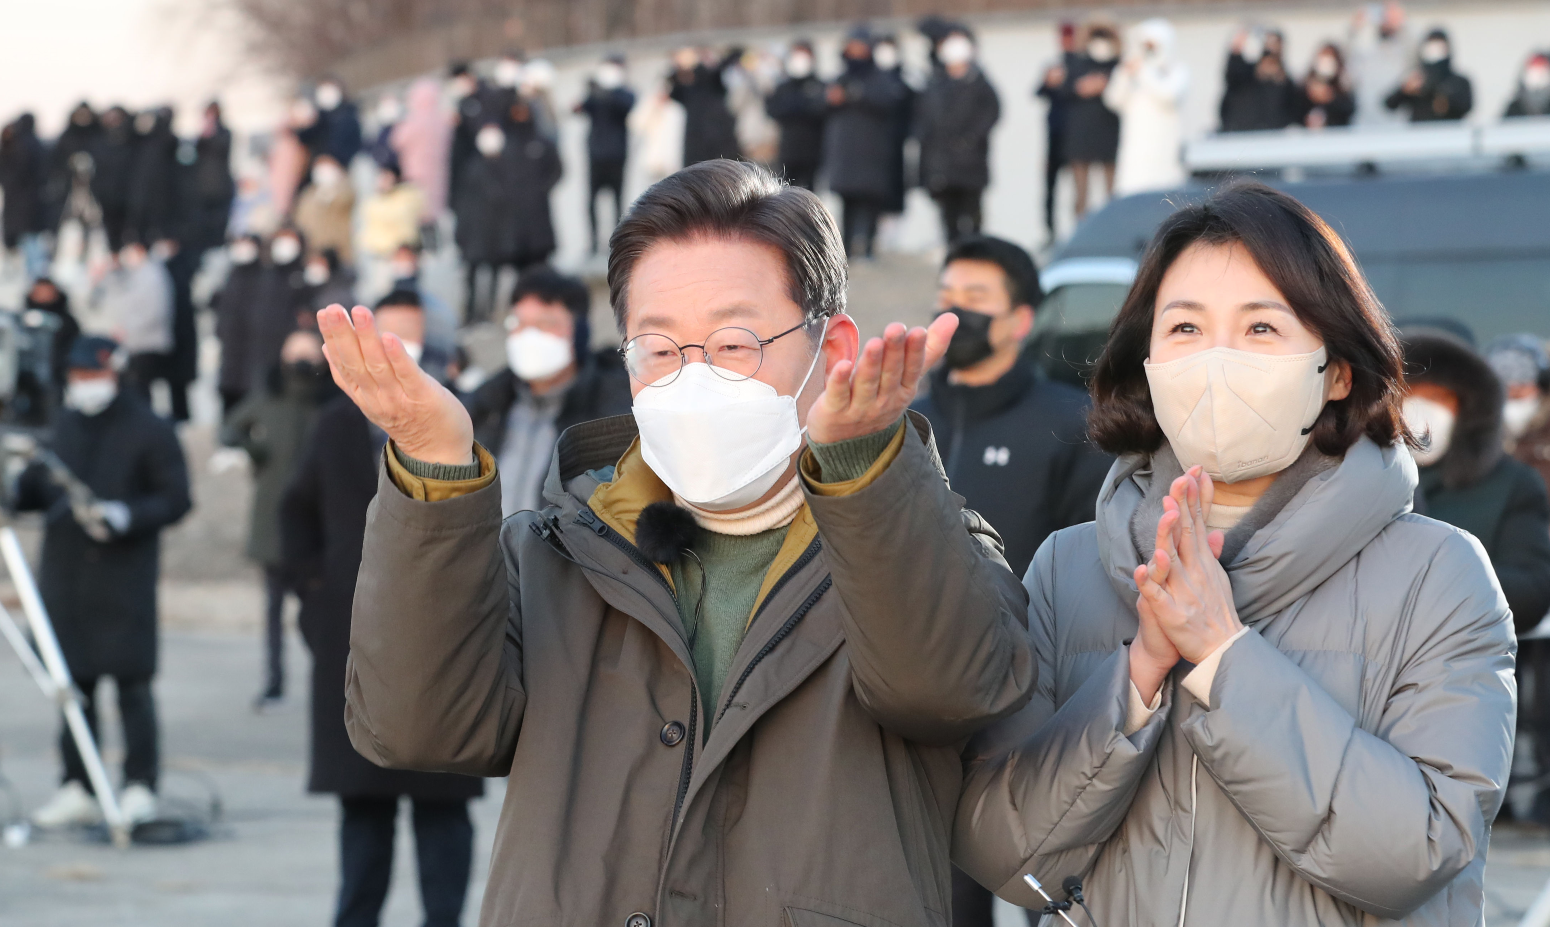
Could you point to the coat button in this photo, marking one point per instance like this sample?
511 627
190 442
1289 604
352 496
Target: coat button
637 920
672 735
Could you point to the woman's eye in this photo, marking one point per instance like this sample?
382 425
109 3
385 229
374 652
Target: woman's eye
1262 328
1183 328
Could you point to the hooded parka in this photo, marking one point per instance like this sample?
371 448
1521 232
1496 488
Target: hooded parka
1355 748
819 791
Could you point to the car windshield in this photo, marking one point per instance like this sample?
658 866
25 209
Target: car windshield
1073 322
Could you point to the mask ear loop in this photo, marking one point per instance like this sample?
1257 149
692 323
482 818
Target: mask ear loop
814 365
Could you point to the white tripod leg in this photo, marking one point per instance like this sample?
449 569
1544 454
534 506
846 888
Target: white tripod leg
64 690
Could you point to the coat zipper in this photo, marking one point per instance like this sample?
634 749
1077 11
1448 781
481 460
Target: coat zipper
1194 796
779 636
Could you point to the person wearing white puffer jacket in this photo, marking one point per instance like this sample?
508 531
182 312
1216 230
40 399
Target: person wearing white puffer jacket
1147 92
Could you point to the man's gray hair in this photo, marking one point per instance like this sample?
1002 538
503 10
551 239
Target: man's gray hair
735 200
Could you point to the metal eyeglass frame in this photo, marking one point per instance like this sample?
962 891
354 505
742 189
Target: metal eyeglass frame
684 361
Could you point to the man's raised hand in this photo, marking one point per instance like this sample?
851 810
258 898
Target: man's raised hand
864 396
421 416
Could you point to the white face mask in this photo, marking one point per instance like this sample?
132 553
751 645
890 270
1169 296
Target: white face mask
1433 51
718 443
1428 418
490 141
327 174
1253 47
1518 413
534 354
886 56
414 349
800 66
609 76
389 110
403 270
243 252
1326 67
1238 414
1536 78
956 49
507 73
315 274
329 96
285 250
1101 50
90 397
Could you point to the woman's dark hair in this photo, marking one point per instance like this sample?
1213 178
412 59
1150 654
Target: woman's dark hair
734 200
1312 267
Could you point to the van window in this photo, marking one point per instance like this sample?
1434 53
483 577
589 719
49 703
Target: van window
1071 327
1493 296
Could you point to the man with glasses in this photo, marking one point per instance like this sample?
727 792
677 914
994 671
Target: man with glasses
552 380
730 665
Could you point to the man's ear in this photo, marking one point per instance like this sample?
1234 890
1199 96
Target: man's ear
1024 317
841 341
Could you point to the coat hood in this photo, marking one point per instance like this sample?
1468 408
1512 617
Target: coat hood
1440 357
1326 522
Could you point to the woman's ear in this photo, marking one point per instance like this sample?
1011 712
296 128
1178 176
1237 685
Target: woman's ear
1339 380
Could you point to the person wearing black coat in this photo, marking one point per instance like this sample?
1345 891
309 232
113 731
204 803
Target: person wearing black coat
1259 94
101 554
46 296
955 115
23 171
1092 129
885 54
1325 97
153 208
552 380
710 132
471 114
337 130
503 216
1532 97
798 106
1057 94
235 304
608 106
79 136
279 301
113 163
209 186
322 526
858 141
1014 443
1434 92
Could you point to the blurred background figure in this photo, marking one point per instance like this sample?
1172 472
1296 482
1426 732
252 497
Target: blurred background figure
271 425
325 210
113 161
326 281
46 296
537 88
885 54
659 124
22 173
1147 92
1092 129
1325 97
471 113
955 115
859 140
289 159
391 218
441 322
386 115
210 186
79 137
99 566
336 130
322 525
1521 363
1055 90
422 140
1434 92
1533 94
697 84
1259 94
136 296
1467 478
1382 52
236 305
799 108
607 106
153 206
552 380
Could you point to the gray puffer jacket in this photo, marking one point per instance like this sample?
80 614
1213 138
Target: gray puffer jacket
1355 749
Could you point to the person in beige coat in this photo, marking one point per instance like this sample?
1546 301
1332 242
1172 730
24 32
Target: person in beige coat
1269 693
728 668
325 210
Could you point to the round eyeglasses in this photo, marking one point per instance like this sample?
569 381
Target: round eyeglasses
731 353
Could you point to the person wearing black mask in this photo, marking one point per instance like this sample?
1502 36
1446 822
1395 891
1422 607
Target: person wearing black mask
272 425
798 106
1434 92
1013 441
858 136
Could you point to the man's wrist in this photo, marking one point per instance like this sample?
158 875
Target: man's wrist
447 455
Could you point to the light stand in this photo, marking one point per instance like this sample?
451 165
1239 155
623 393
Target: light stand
1051 906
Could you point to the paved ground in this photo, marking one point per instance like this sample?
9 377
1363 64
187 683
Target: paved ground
272 860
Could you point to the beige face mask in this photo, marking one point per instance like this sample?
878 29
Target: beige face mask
1238 414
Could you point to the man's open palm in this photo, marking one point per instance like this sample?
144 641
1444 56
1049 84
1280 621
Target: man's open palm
864 396
421 416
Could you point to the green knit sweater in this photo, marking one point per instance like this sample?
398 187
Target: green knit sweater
734 566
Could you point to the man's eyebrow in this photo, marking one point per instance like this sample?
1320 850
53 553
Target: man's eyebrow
733 311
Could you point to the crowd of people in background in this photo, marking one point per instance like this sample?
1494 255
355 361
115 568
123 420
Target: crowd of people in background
467 164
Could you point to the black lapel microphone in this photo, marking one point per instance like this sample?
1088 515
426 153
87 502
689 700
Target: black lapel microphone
665 532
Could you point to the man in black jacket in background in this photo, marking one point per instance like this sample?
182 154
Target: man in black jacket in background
608 105
552 381
1015 443
798 106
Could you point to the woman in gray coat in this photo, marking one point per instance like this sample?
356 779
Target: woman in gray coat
1268 692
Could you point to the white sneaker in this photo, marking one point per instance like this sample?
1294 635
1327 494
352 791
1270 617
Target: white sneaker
138 803
71 805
